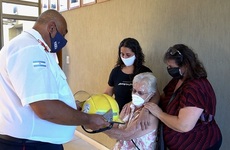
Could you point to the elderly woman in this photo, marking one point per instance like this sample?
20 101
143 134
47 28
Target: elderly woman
128 135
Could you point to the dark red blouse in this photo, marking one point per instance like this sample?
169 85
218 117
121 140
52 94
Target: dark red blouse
198 93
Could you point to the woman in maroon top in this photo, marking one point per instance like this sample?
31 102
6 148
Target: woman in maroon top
188 104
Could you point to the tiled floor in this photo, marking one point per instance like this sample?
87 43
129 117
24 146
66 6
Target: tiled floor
81 142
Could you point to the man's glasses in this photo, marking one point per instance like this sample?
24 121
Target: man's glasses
173 52
141 93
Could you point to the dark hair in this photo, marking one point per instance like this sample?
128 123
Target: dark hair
184 56
134 45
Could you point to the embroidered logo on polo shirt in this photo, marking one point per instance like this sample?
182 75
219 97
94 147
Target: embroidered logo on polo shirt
45 48
39 63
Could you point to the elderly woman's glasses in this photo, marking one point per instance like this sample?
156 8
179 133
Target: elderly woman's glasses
141 93
173 52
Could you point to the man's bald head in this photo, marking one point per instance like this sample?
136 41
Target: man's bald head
52 15
49 23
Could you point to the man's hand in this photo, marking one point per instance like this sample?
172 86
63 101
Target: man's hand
97 122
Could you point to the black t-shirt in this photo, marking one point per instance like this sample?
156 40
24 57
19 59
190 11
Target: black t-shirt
122 84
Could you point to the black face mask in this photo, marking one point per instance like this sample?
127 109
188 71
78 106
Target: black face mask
175 72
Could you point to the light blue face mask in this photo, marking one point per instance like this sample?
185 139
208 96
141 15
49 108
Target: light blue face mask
137 100
57 43
128 61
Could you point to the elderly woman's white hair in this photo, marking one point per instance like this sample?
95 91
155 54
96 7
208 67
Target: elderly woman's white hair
148 79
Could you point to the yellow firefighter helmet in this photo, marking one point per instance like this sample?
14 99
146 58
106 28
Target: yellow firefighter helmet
103 104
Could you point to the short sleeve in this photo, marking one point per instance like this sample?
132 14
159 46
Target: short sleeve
193 95
31 76
111 77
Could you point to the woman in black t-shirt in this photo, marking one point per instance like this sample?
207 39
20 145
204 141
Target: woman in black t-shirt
129 63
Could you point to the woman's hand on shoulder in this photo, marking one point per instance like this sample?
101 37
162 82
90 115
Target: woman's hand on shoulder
153 108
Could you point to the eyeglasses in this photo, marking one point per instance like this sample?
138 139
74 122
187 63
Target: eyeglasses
173 51
141 93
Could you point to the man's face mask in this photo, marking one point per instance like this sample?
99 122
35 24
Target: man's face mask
175 72
58 42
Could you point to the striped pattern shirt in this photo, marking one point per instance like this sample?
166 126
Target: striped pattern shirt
198 93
